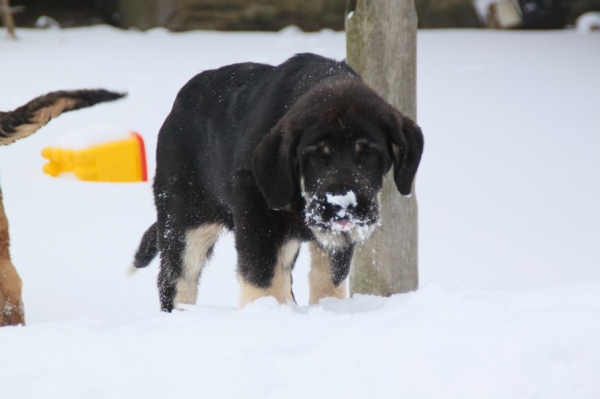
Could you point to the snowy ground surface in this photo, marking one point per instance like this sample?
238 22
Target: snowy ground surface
509 194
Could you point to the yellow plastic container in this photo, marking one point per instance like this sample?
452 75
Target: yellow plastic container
115 161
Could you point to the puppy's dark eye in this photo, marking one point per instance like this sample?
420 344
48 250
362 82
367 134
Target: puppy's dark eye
319 150
358 148
325 150
361 148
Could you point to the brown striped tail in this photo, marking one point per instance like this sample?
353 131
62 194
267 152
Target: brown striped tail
26 120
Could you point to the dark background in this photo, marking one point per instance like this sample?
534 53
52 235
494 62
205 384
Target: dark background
310 15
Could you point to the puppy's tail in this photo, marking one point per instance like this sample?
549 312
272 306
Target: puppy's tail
25 120
147 250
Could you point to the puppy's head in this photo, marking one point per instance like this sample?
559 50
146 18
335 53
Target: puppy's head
333 147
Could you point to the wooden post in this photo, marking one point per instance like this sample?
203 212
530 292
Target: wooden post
381 41
7 17
146 14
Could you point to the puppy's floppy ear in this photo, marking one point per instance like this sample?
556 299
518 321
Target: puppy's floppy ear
407 140
273 166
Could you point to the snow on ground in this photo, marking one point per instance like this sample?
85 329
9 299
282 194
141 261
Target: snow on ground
509 305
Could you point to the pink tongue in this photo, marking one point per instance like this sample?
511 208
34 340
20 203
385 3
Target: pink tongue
343 225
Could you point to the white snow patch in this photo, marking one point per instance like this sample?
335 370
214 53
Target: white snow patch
346 200
291 30
482 8
588 21
132 270
86 136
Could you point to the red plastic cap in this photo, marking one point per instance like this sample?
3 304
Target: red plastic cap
140 140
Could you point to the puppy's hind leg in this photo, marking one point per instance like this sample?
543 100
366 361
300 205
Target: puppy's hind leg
199 242
11 305
172 247
183 256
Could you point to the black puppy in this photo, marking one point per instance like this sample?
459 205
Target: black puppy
280 155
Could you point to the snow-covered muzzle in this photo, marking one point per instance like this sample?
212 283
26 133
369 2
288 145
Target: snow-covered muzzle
339 220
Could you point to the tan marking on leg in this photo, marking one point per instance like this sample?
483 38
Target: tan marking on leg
11 305
197 243
319 278
281 285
